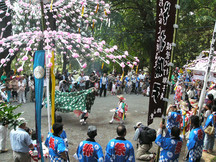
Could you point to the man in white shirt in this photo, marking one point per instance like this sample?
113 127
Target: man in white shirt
103 84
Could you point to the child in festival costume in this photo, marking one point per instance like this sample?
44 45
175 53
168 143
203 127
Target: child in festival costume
120 111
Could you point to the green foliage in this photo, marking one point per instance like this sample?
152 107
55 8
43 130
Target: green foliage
7 115
132 28
196 23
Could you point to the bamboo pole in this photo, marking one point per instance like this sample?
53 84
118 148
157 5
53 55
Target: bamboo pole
207 72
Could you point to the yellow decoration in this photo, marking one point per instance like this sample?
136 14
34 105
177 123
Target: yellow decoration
181 71
133 66
105 12
51 5
122 76
93 25
97 8
102 66
79 30
137 69
83 8
53 89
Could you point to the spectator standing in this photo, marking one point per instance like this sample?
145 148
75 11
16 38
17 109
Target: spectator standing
89 150
3 77
210 139
145 144
171 146
56 145
119 149
21 91
21 142
81 81
195 141
31 89
8 89
14 84
103 84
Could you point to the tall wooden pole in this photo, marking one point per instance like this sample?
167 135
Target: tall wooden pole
207 73
170 71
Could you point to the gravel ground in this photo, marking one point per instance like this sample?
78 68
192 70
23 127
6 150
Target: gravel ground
100 117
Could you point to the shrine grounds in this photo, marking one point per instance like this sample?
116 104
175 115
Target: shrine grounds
100 117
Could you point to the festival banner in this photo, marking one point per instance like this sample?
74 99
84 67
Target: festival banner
38 68
165 23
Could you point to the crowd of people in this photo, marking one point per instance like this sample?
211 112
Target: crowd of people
183 122
114 83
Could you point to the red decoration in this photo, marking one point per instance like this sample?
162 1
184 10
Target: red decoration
200 134
51 143
120 149
178 147
88 150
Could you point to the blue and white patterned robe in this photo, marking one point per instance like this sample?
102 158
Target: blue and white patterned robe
119 150
195 144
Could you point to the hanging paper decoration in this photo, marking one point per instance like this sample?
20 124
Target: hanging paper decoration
102 66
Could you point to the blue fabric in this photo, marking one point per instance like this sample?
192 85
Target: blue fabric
20 140
89 151
64 137
171 148
39 60
195 144
119 151
210 120
174 119
56 146
101 82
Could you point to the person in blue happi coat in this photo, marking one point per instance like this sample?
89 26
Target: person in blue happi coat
174 117
195 141
210 138
171 145
89 150
119 149
56 145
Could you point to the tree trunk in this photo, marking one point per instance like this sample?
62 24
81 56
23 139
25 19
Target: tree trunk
6 33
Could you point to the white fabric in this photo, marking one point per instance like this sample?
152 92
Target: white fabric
21 96
213 92
3 137
104 79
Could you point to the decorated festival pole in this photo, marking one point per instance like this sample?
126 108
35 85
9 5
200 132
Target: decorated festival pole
47 88
207 73
166 97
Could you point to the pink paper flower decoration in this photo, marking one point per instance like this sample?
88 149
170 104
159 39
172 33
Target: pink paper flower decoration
3 61
49 55
126 53
31 60
5 65
107 61
25 58
11 50
135 63
75 55
96 54
49 65
130 65
28 49
100 49
115 47
20 69
122 65
107 50
84 66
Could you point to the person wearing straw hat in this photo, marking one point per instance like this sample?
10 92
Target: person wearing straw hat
21 142
120 111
